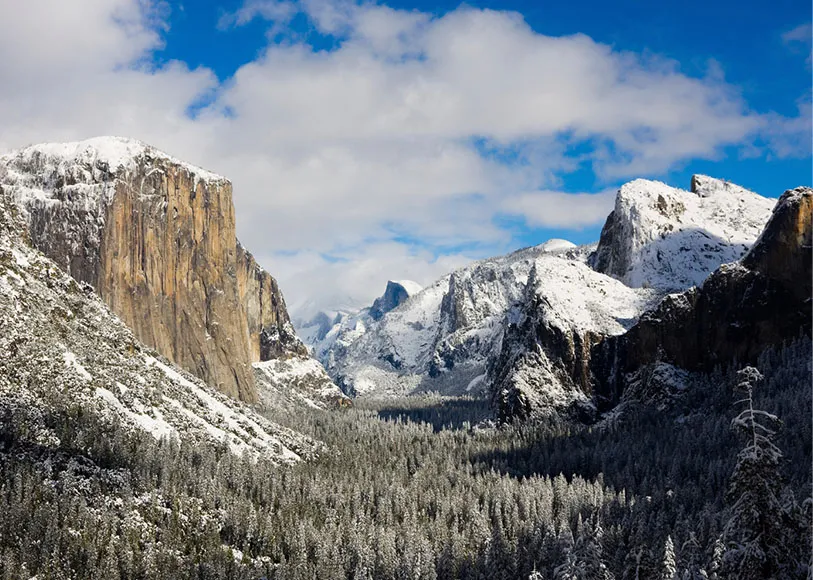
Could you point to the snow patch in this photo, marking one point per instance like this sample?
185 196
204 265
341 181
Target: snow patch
71 362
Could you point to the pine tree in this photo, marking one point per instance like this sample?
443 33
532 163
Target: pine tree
757 534
668 566
716 563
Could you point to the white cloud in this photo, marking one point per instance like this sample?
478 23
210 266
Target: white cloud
356 276
279 11
801 34
403 142
800 39
554 209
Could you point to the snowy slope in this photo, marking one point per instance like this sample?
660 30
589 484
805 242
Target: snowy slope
667 238
542 366
62 349
288 383
440 338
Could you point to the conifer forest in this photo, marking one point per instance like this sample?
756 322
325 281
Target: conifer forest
711 482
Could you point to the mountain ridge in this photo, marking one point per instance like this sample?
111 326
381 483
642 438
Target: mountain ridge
503 322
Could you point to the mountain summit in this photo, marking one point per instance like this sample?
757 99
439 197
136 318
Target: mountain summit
668 238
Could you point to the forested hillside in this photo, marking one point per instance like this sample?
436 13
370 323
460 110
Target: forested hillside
424 488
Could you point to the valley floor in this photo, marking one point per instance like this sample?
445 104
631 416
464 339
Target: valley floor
414 488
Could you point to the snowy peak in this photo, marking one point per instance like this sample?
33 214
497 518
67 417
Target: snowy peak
557 245
102 154
671 239
396 294
705 186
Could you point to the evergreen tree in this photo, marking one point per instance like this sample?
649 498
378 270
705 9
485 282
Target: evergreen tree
668 566
757 533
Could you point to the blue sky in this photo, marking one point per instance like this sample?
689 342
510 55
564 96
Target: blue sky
369 141
744 38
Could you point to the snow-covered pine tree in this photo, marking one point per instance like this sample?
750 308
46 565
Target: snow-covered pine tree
758 534
668 566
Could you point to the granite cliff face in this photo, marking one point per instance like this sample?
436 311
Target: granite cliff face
271 334
63 353
742 308
156 238
396 294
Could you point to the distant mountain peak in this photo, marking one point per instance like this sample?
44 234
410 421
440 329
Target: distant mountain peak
396 294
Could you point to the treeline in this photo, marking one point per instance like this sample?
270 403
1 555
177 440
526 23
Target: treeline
422 489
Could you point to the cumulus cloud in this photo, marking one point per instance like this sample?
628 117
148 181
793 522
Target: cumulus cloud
554 209
355 275
393 149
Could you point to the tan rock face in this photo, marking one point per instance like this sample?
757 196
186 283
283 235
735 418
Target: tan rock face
156 238
271 334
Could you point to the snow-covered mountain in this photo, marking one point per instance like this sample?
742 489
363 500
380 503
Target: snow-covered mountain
567 308
494 327
329 330
438 339
155 237
670 239
63 351
743 308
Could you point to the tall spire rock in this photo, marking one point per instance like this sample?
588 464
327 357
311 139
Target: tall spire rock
156 238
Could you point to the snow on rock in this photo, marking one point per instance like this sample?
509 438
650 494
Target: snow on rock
410 286
71 362
107 154
670 239
543 363
61 349
294 382
81 175
439 339
557 245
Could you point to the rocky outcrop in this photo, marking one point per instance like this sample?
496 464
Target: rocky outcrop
64 354
670 239
741 309
271 334
156 238
395 295
543 365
